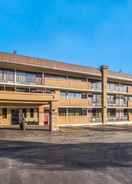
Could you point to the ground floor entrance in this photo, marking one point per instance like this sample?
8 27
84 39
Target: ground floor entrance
15 116
34 115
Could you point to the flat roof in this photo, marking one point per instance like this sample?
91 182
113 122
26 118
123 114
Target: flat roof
11 58
49 64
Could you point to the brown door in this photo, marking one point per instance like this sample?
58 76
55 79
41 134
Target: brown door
46 119
15 116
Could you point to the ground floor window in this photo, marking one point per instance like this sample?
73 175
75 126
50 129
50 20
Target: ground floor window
112 113
95 115
62 111
117 114
25 113
31 113
4 113
72 111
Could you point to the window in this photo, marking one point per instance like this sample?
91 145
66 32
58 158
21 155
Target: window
112 100
74 95
84 112
28 78
8 88
1 87
1 75
130 98
125 112
96 99
32 113
70 95
72 112
96 113
77 112
36 90
117 100
96 85
117 87
25 113
84 95
7 75
50 91
112 113
62 111
4 113
22 89
63 94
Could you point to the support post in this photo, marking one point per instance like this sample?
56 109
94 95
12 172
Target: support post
104 71
54 112
53 117
41 114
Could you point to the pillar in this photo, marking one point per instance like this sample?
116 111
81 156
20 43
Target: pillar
0 115
54 112
20 114
104 71
41 114
53 116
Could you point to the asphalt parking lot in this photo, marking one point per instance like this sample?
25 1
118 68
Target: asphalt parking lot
87 155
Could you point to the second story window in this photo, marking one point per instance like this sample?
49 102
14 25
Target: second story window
1 76
63 94
117 87
96 99
111 100
117 100
7 76
72 95
96 85
28 78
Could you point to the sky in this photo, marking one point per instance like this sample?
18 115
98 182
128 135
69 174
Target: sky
84 32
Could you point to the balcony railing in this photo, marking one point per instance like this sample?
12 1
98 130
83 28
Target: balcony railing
96 119
67 83
118 104
73 120
122 118
84 103
6 96
96 104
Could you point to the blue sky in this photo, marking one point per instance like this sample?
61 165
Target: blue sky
86 32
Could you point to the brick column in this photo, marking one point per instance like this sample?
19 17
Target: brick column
53 117
104 70
41 114
0 115
54 112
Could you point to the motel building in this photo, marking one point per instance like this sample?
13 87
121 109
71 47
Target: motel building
52 94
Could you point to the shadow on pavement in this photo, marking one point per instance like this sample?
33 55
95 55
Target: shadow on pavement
50 156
